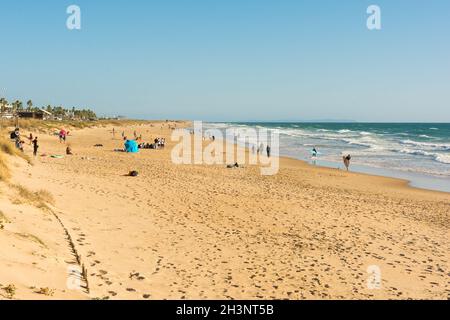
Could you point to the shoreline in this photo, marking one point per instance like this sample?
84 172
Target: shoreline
415 180
411 179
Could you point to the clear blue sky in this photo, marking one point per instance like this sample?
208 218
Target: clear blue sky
231 59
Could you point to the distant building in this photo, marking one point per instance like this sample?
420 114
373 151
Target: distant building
47 115
6 115
7 112
39 115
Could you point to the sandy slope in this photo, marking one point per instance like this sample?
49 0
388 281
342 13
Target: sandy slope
210 232
34 253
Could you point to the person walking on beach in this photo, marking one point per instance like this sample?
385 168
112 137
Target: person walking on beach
268 151
35 146
347 161
62 136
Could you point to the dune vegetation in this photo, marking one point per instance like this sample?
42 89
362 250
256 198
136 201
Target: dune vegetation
49 126
7 148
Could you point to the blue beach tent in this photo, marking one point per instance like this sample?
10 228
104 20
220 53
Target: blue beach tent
131 146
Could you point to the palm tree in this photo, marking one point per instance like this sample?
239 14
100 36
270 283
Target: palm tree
30 105
17 106
3 104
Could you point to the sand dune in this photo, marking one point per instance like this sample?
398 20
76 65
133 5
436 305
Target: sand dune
207 232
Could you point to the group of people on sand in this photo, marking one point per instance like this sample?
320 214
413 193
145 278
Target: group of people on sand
260 150
34 142
346 158
158 143
19 143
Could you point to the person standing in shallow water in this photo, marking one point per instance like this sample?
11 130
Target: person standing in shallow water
35 146
314 154
347 161
268 151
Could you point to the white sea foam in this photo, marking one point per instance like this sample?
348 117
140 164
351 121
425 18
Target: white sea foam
439 157
443 158
429 145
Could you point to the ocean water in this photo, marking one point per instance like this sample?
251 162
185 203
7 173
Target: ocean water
419 152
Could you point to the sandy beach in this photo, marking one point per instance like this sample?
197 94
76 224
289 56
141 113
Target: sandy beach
208 232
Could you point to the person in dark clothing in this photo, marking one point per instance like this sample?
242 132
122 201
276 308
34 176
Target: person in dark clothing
15 134
268 151
35 146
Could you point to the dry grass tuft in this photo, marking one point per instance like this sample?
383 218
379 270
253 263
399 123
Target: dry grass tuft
4 171
39 199
46 292
10 291
3 218
32 238
7 147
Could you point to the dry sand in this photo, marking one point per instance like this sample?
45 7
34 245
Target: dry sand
207 232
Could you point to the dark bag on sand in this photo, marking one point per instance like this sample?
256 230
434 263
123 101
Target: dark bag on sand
133 173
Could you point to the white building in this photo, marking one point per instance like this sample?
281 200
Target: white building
7 112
